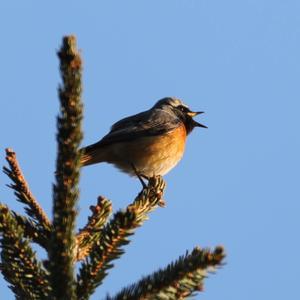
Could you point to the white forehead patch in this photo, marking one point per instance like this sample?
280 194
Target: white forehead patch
175 102
172 101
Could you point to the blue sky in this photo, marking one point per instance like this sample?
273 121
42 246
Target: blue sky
238 183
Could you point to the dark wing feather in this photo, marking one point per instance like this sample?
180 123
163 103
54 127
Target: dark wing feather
149 123
129 121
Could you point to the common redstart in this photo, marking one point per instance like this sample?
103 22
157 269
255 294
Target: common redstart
146 144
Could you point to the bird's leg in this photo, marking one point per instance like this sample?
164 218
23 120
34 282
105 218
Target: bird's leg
139 176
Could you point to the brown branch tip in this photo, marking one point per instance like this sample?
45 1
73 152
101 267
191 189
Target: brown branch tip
22 187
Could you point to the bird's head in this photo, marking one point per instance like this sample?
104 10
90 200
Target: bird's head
181 110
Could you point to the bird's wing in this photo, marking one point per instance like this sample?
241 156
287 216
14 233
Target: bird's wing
149 123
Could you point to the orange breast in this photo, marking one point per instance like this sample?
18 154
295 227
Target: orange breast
152 155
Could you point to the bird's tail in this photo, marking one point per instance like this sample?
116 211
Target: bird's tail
91 155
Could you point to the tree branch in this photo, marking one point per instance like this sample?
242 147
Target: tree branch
65 190
23 193
19 265
31 231
178 280
91 232
115 235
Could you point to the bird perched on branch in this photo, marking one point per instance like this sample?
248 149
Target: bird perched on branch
146 144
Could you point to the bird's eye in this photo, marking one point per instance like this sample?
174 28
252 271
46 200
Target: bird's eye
182 108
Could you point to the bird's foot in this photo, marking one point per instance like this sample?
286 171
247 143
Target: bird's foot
140 176
158 185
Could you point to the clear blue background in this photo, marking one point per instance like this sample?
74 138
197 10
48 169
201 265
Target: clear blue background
238 183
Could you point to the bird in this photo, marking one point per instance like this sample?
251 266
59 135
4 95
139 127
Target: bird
147 144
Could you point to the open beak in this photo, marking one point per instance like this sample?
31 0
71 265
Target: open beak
193 114
196 124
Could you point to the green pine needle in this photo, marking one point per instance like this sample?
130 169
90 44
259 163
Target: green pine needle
115 235
19 265
178 280
65 191
91 233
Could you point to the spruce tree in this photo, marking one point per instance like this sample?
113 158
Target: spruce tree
104 237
